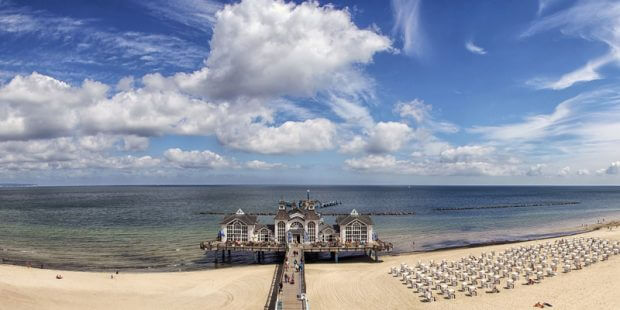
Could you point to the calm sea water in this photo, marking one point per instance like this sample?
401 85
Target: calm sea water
160 227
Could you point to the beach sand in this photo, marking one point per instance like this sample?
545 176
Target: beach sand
369 286
351 284
244 287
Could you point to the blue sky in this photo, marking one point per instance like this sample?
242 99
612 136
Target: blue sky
343 92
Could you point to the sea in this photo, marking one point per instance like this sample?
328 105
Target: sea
159 228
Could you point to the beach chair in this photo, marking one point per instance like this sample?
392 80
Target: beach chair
510 283
472 290
451 294
428 296
567 268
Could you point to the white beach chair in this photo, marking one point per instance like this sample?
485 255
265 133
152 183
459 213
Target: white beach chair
472 290
451 294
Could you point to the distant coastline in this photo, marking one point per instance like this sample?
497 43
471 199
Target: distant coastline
17 185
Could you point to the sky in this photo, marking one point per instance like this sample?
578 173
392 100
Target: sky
281 92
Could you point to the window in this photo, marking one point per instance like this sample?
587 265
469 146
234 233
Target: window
264 235
281 231
312 232
237 231
328 235
297 225
356 232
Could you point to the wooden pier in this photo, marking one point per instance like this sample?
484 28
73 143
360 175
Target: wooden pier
371 249
293 293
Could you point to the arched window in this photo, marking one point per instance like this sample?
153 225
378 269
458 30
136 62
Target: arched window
312 232
297 225
237 231
264 234
356 232
281 231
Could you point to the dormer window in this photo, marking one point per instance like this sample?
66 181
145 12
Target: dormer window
240 212
354 213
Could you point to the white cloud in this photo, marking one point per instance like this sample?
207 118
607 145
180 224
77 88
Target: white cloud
261 165
579 132
390 164
135 143
564 172
196 159
470 46
613 169
197 14
265 48
388 137
407 25
92 45
545 4
289 137
465 153
422 114
536 170
583 172
591 20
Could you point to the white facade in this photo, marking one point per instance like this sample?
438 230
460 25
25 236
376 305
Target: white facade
297 224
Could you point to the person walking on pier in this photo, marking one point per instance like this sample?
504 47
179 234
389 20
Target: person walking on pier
280 288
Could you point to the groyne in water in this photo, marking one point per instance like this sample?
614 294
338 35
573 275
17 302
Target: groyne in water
525 205
379 213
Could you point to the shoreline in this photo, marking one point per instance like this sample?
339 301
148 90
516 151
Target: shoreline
545 236
350 284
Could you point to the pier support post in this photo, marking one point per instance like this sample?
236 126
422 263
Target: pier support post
376 256
336 257
223 255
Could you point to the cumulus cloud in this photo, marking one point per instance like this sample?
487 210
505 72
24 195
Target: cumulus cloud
265 48
613 169
290 137
388 137
564 171
447 160
407 26
390 164
196 159
592 20
470 46
68 153
536 170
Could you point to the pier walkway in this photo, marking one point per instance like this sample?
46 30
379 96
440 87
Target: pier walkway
290 292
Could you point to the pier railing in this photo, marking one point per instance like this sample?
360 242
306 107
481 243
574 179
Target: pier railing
272 297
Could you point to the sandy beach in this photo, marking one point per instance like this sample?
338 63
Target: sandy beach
369 286
348 285
244 287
